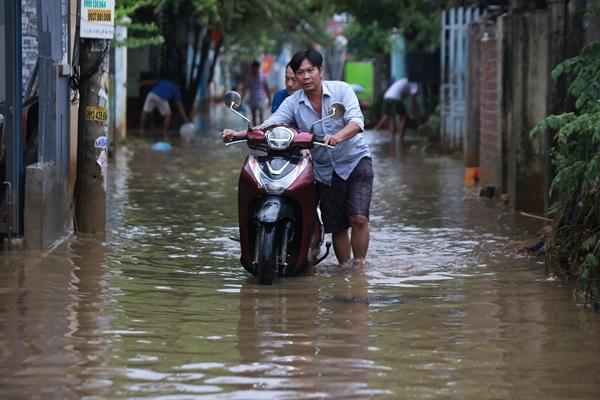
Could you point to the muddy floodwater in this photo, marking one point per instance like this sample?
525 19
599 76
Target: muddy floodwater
447 306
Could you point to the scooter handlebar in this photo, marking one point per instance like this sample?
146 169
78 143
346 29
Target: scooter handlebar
237 140
320 143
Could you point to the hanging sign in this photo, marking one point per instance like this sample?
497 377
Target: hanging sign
97 19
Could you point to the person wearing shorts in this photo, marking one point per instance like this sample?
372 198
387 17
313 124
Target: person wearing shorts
344 174
393 105
256 85
158 98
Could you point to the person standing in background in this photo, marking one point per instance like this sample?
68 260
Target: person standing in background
256 85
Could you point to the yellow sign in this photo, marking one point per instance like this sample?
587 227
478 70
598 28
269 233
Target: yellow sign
96 114
99 15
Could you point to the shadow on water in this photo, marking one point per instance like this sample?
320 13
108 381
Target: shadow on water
447 306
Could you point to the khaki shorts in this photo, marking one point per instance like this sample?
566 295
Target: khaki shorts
154 101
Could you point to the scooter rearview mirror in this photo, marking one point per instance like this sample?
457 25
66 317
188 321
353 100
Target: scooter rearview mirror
232 100
336 110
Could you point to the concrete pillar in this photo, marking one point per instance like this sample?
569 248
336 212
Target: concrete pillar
121 81
90 188
525 104
74 104
471 134
491 144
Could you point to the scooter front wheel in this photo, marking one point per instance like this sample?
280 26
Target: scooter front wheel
267 254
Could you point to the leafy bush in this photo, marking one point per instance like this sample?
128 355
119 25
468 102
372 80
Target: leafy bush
574 249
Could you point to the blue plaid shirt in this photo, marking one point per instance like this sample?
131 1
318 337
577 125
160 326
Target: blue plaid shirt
296 110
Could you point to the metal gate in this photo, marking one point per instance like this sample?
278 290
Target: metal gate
11 153
454 73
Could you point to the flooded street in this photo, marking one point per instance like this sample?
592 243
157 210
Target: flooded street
447 306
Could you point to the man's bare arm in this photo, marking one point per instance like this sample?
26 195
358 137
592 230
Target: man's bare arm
181 110
347 132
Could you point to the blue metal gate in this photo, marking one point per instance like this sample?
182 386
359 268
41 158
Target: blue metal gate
454 73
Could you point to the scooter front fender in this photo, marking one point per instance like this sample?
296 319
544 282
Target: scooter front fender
273 209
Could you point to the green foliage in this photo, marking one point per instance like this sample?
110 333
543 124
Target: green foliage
138 33
576 156
577 134
375 21
264 25
250 27
128 7
367 39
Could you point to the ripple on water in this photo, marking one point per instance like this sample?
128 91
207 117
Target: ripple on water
444 308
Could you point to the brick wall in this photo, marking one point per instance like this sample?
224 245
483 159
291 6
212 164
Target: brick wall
29 26
490 140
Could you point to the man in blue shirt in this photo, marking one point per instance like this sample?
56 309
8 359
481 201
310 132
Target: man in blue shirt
291 85
344 174
159 97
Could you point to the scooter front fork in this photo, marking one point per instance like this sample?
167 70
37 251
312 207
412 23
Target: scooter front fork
260 235
287 236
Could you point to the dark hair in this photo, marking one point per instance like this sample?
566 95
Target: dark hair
309 54
255 63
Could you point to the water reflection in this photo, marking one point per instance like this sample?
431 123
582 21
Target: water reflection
51 305
310 334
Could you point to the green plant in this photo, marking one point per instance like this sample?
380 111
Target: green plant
574 249
140 33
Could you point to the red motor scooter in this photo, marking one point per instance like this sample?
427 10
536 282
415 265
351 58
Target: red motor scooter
281 232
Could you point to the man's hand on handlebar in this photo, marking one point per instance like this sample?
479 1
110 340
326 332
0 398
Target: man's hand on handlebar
229 134
331 140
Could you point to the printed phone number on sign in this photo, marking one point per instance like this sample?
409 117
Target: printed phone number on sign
96 114
99 15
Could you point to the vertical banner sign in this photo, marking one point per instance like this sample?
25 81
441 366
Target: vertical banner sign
97 19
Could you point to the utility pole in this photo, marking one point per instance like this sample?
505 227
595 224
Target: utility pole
96 30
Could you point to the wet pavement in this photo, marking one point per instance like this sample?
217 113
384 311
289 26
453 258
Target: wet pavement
447 306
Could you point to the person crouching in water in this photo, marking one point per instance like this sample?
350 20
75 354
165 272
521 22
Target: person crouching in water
159 97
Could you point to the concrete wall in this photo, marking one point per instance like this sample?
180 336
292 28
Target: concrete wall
514 57
47 216
525 91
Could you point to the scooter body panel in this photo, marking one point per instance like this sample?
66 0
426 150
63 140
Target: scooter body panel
297 204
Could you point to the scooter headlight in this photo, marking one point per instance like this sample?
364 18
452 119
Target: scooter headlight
279 138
